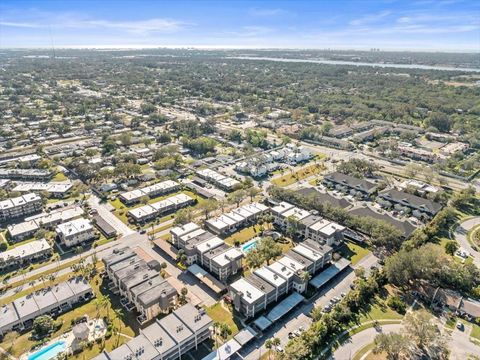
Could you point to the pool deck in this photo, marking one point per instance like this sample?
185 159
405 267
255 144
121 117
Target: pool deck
97 329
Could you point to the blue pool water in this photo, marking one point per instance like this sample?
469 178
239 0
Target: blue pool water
249 246
48 352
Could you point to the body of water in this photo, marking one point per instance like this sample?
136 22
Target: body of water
353 63
49 352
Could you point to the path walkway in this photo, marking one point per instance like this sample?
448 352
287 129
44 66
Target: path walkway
460 234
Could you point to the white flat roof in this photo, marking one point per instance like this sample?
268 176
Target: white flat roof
319 224
192 234
74 226
270 276
236 217
292 264
281 269
224 258
296 213
209 245
307 252
282 207
332 228
184 229
250 292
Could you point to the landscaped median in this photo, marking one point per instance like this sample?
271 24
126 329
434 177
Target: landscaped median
303 173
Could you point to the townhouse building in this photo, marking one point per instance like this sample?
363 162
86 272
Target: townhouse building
26 174
223 182
236 219
148 212
22 255
409 204
347 184
152 191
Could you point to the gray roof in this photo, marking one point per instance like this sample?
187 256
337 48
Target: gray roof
217 251
161 339
156 292
324 198
174 326
120 352
322 249
192 317
260 284
142 348
138 277
351 181
8 315
417 201
119 255
297 257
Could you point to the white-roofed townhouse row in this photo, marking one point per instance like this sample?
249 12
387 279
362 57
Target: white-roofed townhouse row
169 338
25 254
207 250
150 211
152 191
32 224
75 232
221 181
26 174
55 189
20 313
307 224
269 284
20 206
235 219
139 284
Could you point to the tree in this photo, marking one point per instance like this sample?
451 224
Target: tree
451 247
254 259
43 325
119 317
208 206
184 216
252 192
268 249
237 196
395 345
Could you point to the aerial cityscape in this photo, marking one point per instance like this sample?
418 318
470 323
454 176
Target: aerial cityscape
258 180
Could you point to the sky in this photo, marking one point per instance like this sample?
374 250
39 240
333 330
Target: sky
429 25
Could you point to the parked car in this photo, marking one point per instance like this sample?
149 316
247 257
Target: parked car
460 326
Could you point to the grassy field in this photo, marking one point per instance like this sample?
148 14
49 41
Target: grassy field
22 343
298 175
59 176
360 353
353 252
473 236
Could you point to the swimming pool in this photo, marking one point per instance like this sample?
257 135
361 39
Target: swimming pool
250 245
48 352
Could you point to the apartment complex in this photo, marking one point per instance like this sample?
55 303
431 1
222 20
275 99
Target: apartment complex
221 181
26 174
20 206
307 224
166 339
148 212
57 190
207 250
75 232
152 191
269 284
350 185
235 219
139 284
409 204
32 224
20 313
21 255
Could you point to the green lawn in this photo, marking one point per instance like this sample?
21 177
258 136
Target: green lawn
473 236
298 175
218 313
22 343
360 353
353 252
244 235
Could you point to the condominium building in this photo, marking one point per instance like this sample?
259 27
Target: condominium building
19 314
57 190
269 284
158 189
169 338
75 232
221 181
350 185
408 203
235 219
151 211
20 206
26 174
22 255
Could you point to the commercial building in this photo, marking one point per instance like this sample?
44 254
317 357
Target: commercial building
221 181
409 204
75 232
19 314
166 339
235 219
269 284
139 284
20 206
151 211
350 185
152 191
25 254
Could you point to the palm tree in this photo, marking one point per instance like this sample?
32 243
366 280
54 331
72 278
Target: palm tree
275 342
305 276
119 316
216 326
269 346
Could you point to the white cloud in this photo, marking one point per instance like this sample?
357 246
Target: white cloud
266 12
370 18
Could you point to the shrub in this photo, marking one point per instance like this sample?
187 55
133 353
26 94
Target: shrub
396 304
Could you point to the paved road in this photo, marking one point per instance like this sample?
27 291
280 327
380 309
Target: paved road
104 211
349 348
461 346
460 235
301 315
